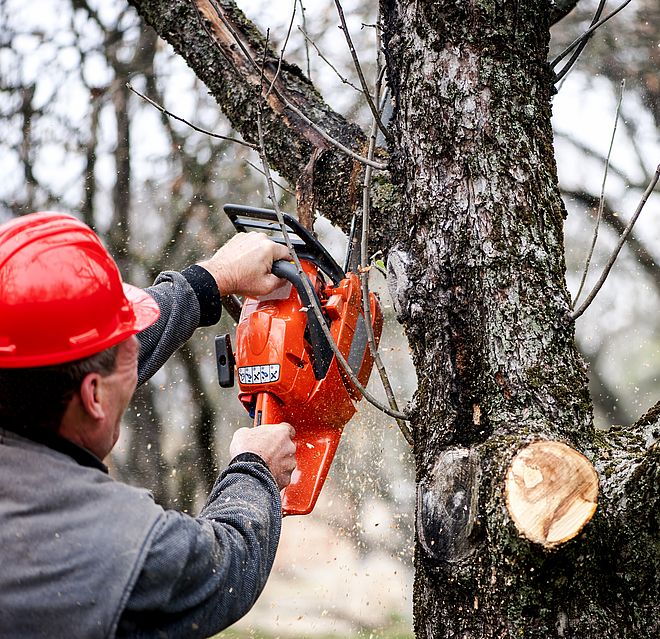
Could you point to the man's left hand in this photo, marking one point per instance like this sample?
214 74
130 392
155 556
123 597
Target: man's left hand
243 265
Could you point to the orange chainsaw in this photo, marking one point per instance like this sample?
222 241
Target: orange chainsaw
287 372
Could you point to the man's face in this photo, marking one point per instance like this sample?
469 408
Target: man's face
117 390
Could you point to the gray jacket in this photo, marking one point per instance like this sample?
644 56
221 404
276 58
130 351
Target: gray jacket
83 555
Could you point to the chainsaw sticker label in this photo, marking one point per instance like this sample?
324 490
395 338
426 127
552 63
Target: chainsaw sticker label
259 374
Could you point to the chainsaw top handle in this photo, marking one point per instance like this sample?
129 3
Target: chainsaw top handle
306 246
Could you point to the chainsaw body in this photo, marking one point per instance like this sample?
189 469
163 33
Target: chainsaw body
286 369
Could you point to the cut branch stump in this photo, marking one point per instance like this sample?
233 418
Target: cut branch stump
551 492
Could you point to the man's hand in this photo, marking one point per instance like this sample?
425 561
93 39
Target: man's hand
242 266
273 443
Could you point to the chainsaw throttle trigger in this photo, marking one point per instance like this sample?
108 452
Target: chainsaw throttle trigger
224 357
321 351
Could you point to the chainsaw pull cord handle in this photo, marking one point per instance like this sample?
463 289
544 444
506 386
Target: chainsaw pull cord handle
321 351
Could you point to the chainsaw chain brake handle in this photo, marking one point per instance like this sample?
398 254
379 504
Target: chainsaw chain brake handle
321 351
306 246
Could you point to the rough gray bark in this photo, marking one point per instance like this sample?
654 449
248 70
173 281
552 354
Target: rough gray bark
477 273
485 309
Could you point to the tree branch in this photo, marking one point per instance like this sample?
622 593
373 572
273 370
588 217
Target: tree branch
617 250
358 68
578 50
644 257
194 127
601 203
587 34
232 79
344 80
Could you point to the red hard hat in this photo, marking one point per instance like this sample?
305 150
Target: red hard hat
61 294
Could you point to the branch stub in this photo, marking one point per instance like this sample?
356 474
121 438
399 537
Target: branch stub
551 492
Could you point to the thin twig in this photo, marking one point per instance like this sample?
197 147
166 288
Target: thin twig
278 184
306 283
601 202
163 110
332 141
358 68
617 250
578 50
304 30
364 278
645 259
282 50
587 34
308 40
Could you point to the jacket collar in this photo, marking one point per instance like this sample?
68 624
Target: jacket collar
55 442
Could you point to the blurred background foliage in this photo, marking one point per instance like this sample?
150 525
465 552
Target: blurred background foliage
74 138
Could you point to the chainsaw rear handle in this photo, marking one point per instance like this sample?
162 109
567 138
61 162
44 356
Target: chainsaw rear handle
321 351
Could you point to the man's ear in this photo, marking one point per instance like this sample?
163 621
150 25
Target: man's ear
91 393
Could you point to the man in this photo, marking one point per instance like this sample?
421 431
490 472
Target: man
83 555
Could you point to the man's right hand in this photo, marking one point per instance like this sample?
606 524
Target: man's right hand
273 443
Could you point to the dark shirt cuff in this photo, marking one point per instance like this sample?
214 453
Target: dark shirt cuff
249 457
208 295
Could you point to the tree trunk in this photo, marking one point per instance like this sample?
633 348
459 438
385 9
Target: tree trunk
476 270
477 273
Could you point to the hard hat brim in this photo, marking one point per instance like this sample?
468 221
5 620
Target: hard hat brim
145 311
144 306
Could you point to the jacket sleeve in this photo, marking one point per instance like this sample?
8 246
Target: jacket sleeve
201 575
186 300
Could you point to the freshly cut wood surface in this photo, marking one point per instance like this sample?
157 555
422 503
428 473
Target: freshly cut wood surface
551 492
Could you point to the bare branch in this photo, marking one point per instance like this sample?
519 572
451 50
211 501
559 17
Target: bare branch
364 278
308 41
644 258
358 68
617 250
304 30
163 110
364 260
578 50
587 34
283 49
602 198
